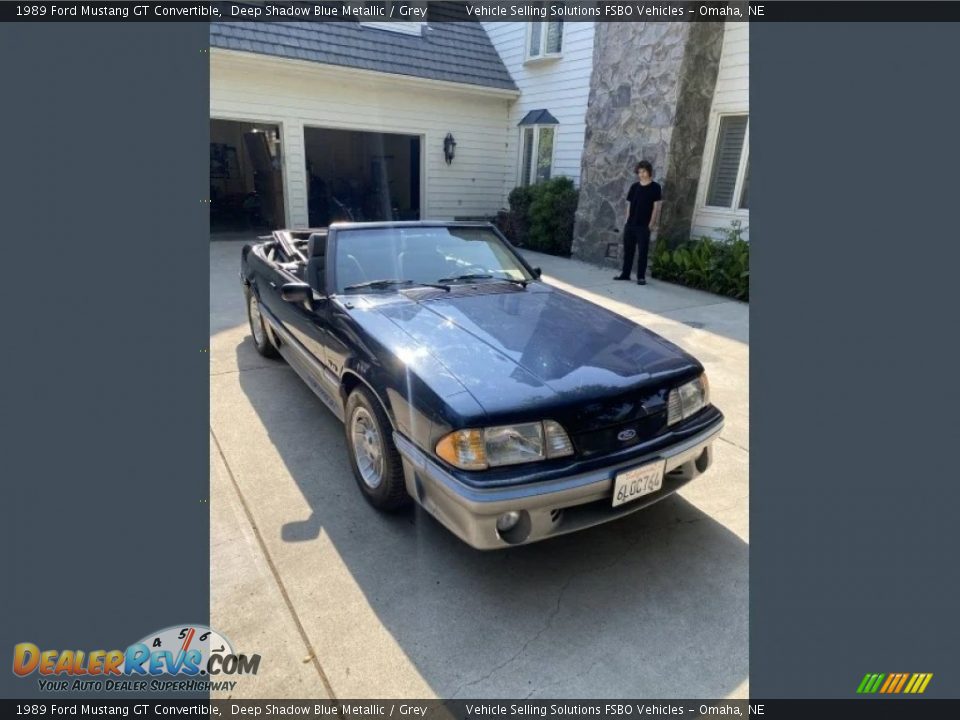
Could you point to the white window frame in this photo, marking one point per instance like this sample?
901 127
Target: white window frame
536 145
398 24
543 25
711 152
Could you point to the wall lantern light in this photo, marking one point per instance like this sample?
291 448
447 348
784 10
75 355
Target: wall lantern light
449 148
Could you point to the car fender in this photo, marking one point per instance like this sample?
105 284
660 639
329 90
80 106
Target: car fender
351 377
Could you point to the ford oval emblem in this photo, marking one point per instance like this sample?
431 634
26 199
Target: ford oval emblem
628 434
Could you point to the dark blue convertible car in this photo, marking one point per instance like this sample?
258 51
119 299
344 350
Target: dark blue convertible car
512 411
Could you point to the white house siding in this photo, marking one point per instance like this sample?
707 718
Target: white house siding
295 94
732 95
560 85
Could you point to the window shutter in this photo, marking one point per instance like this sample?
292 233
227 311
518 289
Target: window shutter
527 156
746 187
554 36
726 160
535 30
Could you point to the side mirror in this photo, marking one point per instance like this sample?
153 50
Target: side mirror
537 272
296 292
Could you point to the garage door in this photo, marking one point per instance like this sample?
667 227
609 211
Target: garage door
362 176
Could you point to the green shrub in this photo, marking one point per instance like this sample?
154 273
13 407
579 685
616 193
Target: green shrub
518 219
552 212
541 216
718 266
502 222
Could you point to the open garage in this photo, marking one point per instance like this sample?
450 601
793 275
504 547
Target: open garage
368 144
246 178
353 175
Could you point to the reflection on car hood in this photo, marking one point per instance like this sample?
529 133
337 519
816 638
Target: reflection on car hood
513 348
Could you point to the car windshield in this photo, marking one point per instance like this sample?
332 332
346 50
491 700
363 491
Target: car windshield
391 258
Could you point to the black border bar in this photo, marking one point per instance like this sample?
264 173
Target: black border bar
486 10
487 709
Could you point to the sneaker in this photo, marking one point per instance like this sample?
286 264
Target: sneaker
641 281
621 277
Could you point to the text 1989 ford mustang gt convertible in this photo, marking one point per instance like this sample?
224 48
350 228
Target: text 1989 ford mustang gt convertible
512 411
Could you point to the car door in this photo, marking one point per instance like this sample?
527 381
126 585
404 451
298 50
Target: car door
270 279
308 321
298 320
266 282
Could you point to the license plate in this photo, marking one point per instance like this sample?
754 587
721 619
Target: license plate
637 482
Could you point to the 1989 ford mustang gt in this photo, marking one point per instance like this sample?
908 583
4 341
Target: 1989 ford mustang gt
512 411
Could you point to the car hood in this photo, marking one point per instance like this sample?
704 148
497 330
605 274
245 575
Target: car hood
525 351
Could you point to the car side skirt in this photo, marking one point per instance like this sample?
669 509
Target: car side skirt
321 380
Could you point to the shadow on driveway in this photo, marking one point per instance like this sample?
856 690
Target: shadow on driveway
653 605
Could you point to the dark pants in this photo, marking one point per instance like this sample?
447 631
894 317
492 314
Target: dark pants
635 237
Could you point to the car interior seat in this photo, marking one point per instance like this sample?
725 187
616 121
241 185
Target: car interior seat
424 263
349 271
317 262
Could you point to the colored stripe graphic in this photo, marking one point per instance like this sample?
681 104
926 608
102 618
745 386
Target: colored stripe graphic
894 683
891 679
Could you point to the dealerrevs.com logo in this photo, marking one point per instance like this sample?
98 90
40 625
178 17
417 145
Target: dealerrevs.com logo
198 655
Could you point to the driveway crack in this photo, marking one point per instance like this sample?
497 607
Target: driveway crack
312 653
730 442
523 649
237 371
549 621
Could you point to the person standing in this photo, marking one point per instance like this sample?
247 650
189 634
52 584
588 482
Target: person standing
643 214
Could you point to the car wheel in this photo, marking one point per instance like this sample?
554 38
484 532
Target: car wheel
373 456
258 328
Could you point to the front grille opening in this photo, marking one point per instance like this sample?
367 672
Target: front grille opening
623 435
555 515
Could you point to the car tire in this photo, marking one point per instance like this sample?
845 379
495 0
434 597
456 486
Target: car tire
374 459
258 328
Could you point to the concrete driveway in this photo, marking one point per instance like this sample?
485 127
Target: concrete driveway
343 602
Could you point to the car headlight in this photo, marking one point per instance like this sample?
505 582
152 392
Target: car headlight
481 448
688 399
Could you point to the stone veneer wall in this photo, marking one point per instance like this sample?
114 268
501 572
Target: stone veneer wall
650 95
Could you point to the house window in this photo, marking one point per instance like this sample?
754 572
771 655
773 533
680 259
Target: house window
730 174
545 38
406 16
536 153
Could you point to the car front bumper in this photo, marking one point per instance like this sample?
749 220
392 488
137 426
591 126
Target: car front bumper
549 508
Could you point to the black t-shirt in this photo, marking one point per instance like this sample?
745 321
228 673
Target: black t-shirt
641 199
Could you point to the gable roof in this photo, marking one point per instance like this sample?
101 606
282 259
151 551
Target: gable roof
457 52
539 117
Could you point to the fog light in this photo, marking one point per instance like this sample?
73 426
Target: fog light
508 521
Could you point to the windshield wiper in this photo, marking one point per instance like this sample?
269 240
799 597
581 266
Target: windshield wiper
384 284
481 276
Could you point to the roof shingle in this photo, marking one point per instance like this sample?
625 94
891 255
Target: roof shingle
457 52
